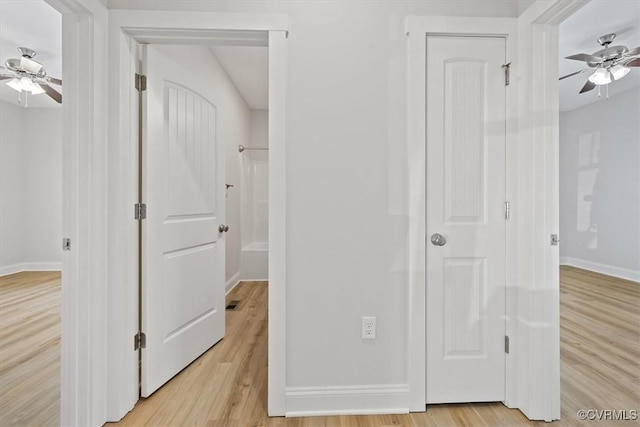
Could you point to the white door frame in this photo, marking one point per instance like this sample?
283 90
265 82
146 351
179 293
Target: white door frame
532 305
126 30
84 220
538 301
417 30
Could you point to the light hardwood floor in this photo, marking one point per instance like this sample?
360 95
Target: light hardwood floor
30 349
227 386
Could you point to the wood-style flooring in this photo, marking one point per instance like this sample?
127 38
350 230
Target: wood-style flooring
227 386
30 349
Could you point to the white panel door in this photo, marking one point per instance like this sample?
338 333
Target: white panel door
465 204
183 250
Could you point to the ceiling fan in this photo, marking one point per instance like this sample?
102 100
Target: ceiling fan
29 76
608 64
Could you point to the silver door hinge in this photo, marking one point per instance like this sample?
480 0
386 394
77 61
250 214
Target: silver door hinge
506 344
140 82
140 211
555 240
507 210
507 68
66 244
139 341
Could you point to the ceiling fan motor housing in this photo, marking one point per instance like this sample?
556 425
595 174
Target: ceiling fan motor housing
609 54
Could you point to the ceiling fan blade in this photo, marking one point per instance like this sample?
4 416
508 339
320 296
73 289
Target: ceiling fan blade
587 87
572 74
5 77
54 94
633 52
633 63
54 81
585 57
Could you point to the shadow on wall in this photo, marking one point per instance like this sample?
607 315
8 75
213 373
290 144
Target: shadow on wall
600 185
587 204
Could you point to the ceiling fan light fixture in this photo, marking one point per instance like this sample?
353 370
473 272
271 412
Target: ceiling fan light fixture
619 71
26 85
601 76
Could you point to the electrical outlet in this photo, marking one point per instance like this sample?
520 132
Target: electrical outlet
369 327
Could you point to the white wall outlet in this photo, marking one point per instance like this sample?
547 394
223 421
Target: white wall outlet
369 327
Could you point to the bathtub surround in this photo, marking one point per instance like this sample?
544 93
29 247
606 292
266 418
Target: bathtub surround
255 201
600 186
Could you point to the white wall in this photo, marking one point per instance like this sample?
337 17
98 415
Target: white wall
347 179
30 188
259 128
600 186
43 213
234 118
11 185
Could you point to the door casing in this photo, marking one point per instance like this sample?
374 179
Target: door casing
126 31
418 29
532 298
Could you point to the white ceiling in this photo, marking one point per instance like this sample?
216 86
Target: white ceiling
248 68
33 24
578 34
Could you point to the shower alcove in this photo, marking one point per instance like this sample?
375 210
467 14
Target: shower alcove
254 211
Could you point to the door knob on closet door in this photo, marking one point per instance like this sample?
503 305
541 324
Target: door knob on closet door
438 239
223 228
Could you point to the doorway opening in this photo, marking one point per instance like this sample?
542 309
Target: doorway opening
599 203
195 114
31 206
599 153
216 30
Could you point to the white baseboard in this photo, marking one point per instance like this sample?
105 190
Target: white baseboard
609 270
347 400
232 283
30 266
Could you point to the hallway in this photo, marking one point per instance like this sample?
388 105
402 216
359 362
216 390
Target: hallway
227 386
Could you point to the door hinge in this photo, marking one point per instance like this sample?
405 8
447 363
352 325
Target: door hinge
506 344
507 210
141 82
139 341
66 244
555 240
140 211
507 68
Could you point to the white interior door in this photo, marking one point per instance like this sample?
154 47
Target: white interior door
465 205
183 250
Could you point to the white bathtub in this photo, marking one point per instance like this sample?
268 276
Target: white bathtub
255 261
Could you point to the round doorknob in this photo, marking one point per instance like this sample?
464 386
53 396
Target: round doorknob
438 239
223 228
